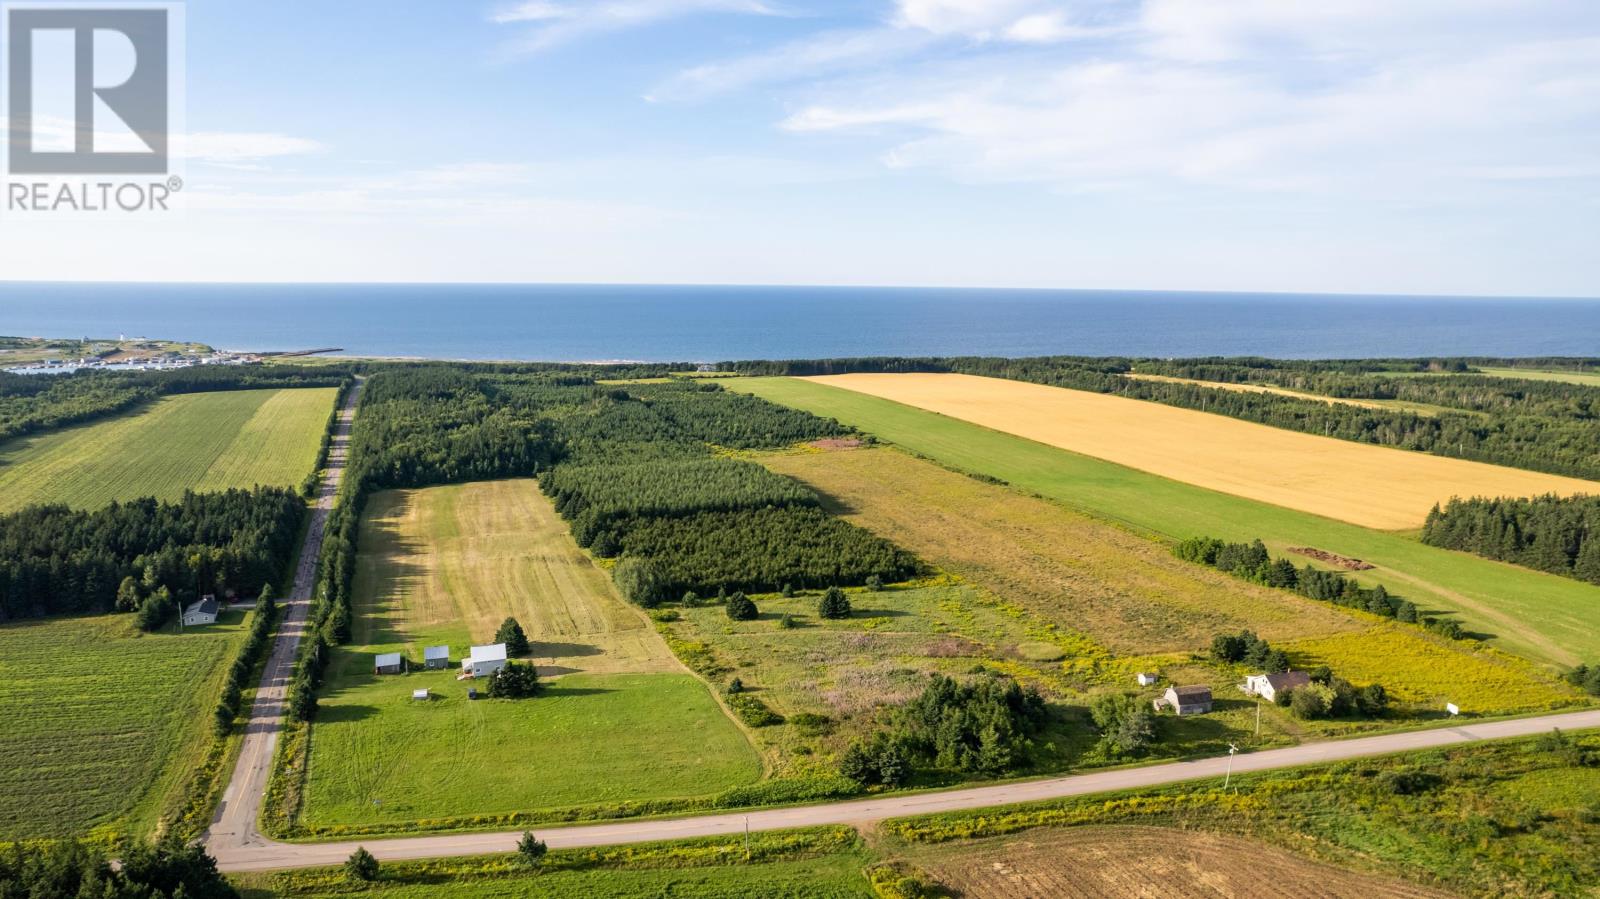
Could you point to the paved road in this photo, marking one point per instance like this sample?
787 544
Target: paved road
234 826
256 853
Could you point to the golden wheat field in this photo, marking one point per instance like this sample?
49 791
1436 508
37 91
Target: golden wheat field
1372 486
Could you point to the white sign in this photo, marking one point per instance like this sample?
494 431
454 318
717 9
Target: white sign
1452 708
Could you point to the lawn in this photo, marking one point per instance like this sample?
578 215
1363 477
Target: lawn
99 723
1373 486
196 441
1538 615
619 721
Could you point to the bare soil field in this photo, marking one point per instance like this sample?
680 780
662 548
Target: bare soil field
1373 486
1148 862
450 563
1127 592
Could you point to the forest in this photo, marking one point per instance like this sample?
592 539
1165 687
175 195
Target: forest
30 403
1560 535
57 561
1539 425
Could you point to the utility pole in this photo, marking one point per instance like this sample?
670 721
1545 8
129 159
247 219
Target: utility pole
1232 748
746 837
1258 717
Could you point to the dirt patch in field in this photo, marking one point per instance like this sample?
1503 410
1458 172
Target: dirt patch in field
1333 559
837 443
1148 862
1373 486
1127 592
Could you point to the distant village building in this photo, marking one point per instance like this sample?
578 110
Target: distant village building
484 660
1144 679
1269 686
436 657
1186 700
202 611
390 663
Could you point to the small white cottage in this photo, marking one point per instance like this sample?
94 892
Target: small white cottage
201 611
484 660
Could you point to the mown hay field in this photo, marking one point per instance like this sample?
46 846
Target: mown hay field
99 723
1540 616
619 720
1131 862
1250 387
195 441
1127 592
1372 486
1584 378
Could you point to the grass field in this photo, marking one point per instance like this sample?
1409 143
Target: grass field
1129 862
446 565
1541 616
1128 593
197 441
1373 486
98 722
1584 378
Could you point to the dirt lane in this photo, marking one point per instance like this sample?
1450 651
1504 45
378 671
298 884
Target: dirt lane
234 825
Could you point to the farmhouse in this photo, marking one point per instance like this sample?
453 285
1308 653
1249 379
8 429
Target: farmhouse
436 657
201 611
390 663
1186 700
484 660
1268 686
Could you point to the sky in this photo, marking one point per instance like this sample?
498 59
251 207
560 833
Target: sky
1365 146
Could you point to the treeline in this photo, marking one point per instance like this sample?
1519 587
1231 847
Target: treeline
1252 562
1538 425
244 662
600 499
169 869
1560 535
57 561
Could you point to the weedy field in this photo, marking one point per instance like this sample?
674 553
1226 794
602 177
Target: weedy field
1540 616
1505 818
1128 593
196 441
1136 862
1585 378
99 722
1372 486
445 565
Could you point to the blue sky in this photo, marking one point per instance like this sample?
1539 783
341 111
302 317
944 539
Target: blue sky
1425 146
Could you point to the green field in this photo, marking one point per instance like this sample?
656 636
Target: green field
196 441
1584 378
1542 616
99 723
445 565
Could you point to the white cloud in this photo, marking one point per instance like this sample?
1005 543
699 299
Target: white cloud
557 23
225 147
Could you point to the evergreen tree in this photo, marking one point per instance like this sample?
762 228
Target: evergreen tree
512 635
834 604
741 608
361 866
514 681
531 850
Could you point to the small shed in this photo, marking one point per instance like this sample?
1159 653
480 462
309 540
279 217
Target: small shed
1269 686
390 663
1193 700
436 657
1144 679
201 611
419 694
484 660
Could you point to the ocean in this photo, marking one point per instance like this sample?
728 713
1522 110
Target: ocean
679 323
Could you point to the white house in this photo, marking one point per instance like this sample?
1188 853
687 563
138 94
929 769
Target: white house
484 660
389 663
201 611
1268 686
436 657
